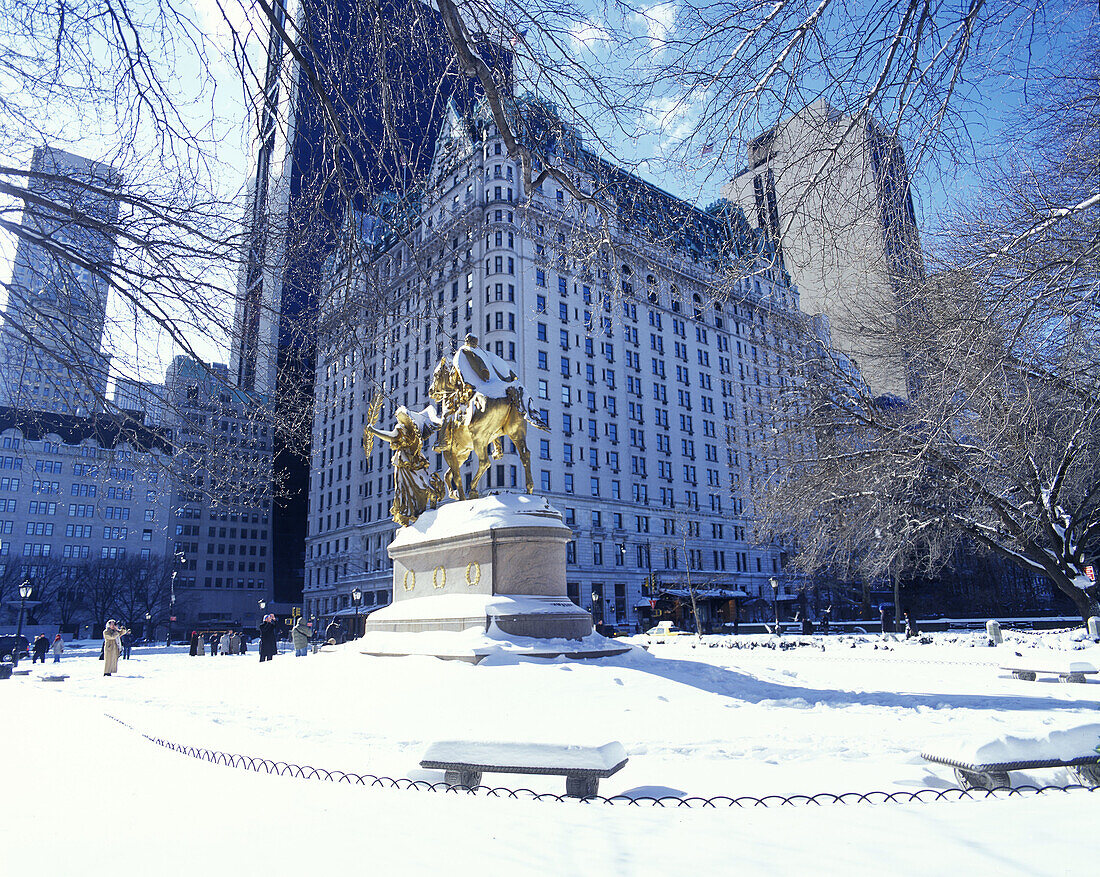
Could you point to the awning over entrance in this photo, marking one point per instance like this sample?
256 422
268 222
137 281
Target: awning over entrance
703 593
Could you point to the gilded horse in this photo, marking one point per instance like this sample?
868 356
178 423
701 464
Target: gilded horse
475 423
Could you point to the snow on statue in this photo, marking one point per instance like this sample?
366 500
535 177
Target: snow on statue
482 401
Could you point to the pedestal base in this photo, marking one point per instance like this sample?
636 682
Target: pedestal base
482 576
542 617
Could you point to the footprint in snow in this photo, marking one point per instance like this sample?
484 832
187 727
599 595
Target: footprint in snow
662 697
618 681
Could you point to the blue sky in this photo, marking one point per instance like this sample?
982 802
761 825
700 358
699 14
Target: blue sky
645 139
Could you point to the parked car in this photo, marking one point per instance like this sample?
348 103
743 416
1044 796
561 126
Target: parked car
8 645
610 630
664 629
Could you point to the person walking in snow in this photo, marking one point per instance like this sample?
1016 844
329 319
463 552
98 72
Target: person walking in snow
214 643
224 644
194 643
882 617
826 617
300 634
911 629
111 647
58 647
267 638
126 642
41 646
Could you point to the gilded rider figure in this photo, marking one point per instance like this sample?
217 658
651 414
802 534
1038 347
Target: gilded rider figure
414 490
481 401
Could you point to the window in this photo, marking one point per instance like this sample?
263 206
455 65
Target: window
540 277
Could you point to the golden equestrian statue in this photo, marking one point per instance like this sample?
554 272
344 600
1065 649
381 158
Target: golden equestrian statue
482 401
413 489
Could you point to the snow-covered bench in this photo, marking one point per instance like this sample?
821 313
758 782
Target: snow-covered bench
582 766
987 766
1067 671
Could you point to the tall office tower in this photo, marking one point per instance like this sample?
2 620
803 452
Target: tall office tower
219 484
660 377
833 191
221 499
51 357
303 177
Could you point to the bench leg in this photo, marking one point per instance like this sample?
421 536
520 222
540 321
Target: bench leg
982 780
1071 677
469 779
1023 674
582 787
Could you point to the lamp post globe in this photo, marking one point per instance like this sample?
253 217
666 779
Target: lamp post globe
25 591
356 599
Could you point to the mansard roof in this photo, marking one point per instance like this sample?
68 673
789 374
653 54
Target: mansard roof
106 430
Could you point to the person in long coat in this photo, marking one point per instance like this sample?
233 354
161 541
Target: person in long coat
267 638
214 643
301 634
58 647
194 643
224 644
111 648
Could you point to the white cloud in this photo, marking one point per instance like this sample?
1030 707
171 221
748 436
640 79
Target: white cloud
588 34
672 118
659 21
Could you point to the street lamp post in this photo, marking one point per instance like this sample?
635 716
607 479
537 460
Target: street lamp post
181 559
148 618
774 582
356 599
25 591
595 605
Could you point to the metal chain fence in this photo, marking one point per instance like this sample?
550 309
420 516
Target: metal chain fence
309 772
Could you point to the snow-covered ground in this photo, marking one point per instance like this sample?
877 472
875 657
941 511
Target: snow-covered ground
697 719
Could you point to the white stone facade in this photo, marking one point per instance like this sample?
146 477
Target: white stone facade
74 491
657 389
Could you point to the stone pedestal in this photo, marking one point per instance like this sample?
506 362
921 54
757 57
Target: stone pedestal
494 565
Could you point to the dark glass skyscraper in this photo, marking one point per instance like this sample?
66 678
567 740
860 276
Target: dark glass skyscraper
321 147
